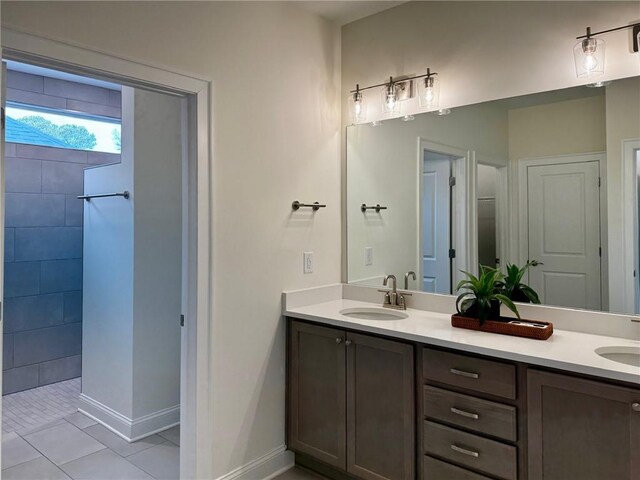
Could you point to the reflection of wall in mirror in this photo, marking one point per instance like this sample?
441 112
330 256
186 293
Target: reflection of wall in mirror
382 167
487 228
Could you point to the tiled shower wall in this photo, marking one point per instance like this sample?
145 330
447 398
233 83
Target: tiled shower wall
43 239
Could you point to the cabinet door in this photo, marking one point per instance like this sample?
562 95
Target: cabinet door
380 409
317 396
582 429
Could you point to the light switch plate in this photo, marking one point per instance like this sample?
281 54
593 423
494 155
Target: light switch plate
368 256
308 262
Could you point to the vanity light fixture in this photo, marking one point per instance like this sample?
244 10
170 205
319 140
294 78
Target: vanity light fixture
429 90
394 92
589 52
357 106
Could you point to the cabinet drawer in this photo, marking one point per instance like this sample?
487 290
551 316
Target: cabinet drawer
434 469
481 375
470 412
489 456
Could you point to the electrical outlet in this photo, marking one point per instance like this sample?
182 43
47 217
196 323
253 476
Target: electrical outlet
368 256
308 262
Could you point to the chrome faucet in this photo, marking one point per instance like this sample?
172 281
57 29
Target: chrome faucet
393 299
410 273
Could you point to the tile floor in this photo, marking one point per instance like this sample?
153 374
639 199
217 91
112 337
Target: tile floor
76 447
44 437
25 410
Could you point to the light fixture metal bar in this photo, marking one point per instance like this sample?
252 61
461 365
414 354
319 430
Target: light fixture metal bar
589 34
391 80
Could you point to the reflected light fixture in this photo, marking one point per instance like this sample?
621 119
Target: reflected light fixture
589 52
443 111
408 118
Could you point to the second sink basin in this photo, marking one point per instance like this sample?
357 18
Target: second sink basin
626 355
373 313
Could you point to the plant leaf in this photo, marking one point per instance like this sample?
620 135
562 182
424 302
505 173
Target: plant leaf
508 303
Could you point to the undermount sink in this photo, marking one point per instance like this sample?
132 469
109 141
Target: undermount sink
373 313
626 355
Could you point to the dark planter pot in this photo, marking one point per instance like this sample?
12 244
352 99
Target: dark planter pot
518 296
474 311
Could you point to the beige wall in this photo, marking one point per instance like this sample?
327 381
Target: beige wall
562 128
276 138
483 50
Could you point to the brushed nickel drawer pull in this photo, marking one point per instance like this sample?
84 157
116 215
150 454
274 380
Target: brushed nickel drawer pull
464 451
462 373
636 407
475 416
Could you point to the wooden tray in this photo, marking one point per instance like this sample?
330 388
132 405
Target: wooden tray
503 327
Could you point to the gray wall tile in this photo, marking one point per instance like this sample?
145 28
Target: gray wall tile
60 369
94 108
21 279
74 211
19 379
30 313
7 352
31 98
73 307
9 237
61 276
62 177
48 243
51 153
23 175
102 158
9 149
34 210
47 344
78 91
25 81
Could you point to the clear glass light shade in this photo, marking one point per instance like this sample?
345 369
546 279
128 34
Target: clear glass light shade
357 107
589 57
390 103
428 92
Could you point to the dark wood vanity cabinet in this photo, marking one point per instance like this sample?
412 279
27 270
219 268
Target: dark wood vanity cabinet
352 406
351 401
582 429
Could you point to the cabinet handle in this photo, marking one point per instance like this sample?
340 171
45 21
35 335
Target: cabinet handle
462 373
464 451
338 340
347 343
636 407
475 416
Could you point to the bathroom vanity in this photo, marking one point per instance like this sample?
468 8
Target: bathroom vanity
376 394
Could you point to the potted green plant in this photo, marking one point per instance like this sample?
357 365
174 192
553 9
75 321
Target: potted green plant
478 307
481 297
511 285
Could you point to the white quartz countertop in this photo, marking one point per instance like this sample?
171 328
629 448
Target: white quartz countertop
564 350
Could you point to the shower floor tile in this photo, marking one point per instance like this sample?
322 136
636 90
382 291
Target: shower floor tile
24 411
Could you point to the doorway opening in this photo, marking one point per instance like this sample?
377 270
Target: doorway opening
93 289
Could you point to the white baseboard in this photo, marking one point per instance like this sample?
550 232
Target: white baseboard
129 429
265 467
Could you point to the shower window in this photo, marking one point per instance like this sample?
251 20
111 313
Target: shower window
27 124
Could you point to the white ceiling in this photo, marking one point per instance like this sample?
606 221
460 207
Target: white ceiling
349 11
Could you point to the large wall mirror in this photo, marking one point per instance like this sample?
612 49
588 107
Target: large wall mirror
552 177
